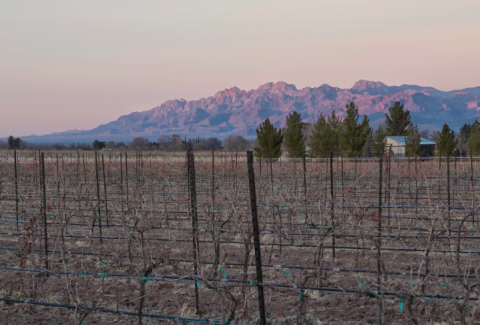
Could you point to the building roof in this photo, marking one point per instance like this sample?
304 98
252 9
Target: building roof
401 140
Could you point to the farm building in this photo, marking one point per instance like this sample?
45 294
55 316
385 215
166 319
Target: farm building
397 145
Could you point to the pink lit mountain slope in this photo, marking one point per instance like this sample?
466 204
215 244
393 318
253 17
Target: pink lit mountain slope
239 112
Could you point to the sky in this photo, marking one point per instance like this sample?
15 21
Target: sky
77 64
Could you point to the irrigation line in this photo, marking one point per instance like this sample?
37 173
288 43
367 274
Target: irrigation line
387 237
114 311
267 232
264 285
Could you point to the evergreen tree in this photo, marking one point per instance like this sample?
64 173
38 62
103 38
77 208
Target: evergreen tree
412 141
11 142
14 143
446 141
369 145
380 142
17 143
294 141
269 141
98 145
398 121
354 135
325 136
474 139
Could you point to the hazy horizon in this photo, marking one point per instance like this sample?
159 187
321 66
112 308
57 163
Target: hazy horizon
75 65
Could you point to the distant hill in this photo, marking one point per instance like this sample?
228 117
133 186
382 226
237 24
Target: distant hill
239 112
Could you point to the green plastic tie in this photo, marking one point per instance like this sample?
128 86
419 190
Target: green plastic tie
145 278
105 263
401 304
197 283
300 297
224 274
286 273
251 282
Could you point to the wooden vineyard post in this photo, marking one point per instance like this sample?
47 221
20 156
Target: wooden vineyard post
332 207
35 169
84 170
58 177
341 188
379 243
16 184
44 203
305 183
389 185
295 176
126 179
213 179
78 163
454 179
256 238
212 212
121 180
39 172
105 200
260 160
473 188
98 216
355 169
193 215
448 194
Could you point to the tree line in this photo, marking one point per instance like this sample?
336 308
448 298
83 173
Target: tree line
352 136
173 142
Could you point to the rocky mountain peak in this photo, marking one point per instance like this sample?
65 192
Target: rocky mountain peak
371 87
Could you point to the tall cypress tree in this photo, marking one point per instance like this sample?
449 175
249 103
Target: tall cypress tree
380 142
325 136
294 141
474 139
446 141
11 142
412 141
398 121
269 141
354 134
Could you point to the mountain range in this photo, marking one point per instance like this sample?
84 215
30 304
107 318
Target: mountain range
239 112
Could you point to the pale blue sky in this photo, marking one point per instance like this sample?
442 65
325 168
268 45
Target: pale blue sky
76 64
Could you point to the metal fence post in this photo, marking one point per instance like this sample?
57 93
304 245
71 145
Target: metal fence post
44 199
256 237
194 216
